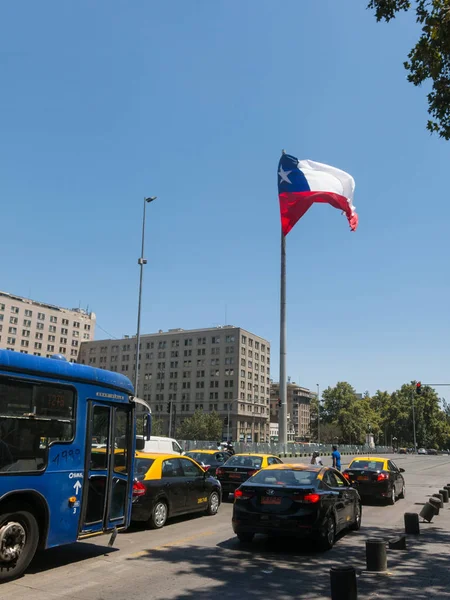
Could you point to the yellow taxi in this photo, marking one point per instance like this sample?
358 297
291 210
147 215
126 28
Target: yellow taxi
209 459
167 485
376 478
240 467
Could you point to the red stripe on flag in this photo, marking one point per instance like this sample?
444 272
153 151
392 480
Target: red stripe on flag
293 205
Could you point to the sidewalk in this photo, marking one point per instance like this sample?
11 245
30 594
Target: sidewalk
421 572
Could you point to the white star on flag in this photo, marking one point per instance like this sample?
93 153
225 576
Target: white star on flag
284 175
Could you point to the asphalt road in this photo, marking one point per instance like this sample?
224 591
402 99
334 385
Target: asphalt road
200 558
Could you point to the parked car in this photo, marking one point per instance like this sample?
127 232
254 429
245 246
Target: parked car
432 451
158 444
376 478
302 501
403 451
167 485
421 451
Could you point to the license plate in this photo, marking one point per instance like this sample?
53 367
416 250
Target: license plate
362 478
270 500
235 476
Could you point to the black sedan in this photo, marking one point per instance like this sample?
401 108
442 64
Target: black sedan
240 467
376 478
209 460
300 501
167 485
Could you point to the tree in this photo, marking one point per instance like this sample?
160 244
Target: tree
429 59
201 426
157 427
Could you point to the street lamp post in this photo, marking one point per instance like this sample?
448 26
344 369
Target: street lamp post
318 414
141 262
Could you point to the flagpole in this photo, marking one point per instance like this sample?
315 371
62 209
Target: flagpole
283 387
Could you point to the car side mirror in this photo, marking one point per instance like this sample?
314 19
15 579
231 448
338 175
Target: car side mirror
402 470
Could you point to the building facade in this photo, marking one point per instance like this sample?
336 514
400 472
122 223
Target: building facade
223 369
298 408
41 329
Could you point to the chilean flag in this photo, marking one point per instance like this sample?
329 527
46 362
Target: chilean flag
303 182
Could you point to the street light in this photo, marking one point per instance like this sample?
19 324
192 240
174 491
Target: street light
141 262
318 414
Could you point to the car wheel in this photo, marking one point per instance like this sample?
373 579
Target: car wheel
356 525
391 499
245 538
159 515
213 503
20 537
327 534
403 492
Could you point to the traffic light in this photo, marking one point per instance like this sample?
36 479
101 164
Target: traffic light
279 402
418 388
168 407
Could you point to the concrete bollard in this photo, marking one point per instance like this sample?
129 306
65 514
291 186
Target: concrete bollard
376 559
397 543
412 526
343 583
428 511
444 494
436 503
441 498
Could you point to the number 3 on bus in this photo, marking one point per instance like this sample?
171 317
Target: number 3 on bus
67 442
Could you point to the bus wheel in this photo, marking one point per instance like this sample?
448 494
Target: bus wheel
19 537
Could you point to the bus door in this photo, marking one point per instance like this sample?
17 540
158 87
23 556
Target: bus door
108 467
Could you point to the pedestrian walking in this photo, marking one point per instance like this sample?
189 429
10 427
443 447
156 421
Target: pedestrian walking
336 456
316 459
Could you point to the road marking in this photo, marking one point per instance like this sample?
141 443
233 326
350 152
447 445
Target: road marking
171 544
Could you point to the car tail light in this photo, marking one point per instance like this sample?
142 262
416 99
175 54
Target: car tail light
382 476
206 468
241 495
250 473
346 475
139 489
307 498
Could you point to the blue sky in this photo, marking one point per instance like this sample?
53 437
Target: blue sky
103 103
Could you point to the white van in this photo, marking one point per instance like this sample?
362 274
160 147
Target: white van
158 444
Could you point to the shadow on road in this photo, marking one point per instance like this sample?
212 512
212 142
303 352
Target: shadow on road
291 570
64 555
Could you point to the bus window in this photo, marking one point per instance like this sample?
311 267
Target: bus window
31 417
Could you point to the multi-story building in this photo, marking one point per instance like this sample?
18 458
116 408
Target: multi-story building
42 329
298 408
223 369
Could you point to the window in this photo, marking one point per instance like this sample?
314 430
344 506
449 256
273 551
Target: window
215 351
64 331
26 323
53 319
199 395
250 354
87 327
201 341
52 329
188 353
65 321
201 352
63 340
213 384
26 333
250 342
175 343
172 468
174 353
76 324
229 383
229 350
200 373
2 307
201 363
15 310
75 343
12 330
25 343
51 338
215 361
161 355
215 340
13 320
200 384
41 316
229 360
229 338
188 342
26 440
213 395
186 385
250 364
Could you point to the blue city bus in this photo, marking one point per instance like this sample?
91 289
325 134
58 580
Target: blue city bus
67 445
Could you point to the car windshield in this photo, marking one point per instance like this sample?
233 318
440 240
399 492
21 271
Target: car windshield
141 466
248 462
372 465
285 477
200 457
